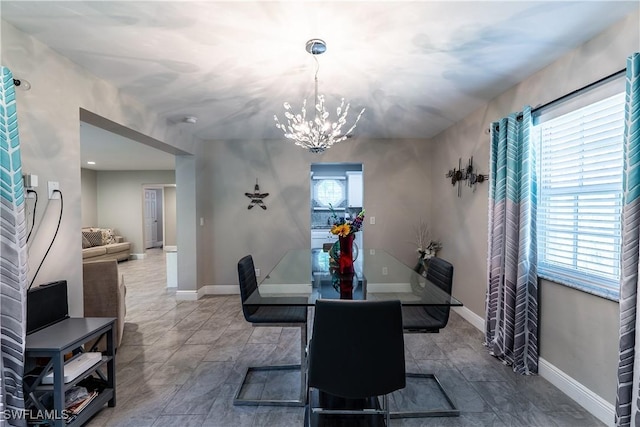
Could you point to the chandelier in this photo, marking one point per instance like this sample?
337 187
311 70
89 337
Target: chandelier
319 133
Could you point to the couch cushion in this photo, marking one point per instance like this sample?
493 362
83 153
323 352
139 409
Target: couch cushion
94 251
118 247
94 237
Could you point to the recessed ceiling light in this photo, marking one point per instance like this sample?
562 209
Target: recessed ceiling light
91 163
190 119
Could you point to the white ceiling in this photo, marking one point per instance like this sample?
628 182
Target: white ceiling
417 67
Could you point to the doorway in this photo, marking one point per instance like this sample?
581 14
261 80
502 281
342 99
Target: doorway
153 221
337 186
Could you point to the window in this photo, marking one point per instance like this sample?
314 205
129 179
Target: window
329 192
580 196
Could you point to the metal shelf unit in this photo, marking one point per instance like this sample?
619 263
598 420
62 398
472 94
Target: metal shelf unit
53 343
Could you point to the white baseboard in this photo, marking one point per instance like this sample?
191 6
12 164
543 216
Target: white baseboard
470 317
596 405
170 248
187 295
136 256
221 289
207 290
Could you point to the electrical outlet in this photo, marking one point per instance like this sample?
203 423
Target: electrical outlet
30 180
257 272
53 185
385 271
372 220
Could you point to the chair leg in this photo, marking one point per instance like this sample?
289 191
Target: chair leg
300 401
387 414
303 364
375 409
452 412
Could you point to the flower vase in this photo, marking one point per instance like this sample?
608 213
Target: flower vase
345 259
346 286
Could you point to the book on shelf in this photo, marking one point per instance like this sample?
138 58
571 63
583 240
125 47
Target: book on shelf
77 407
75 395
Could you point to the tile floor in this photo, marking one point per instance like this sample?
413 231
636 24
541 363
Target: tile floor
181 362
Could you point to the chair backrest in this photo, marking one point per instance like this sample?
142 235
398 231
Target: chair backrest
357 348
248 283
440 273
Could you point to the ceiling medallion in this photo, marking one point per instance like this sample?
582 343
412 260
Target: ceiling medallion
317 134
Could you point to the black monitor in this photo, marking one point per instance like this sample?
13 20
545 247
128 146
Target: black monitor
47 304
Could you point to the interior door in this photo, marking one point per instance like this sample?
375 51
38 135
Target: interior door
150 219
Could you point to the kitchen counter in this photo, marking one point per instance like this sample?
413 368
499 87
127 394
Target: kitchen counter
321 227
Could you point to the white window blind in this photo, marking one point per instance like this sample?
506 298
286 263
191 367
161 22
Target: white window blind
580 196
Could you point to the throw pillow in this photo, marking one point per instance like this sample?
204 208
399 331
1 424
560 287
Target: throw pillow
108 236
85 242
94 237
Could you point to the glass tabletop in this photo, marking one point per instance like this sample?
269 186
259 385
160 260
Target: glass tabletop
303 276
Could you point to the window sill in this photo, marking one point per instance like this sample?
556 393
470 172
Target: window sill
598 292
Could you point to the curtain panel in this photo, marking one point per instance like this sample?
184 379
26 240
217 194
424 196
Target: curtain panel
13 259
511 321
627 398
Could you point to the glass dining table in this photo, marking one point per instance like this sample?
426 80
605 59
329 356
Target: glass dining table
303 276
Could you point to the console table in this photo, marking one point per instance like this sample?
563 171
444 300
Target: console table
53 342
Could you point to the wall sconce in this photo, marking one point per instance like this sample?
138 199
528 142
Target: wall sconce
467 174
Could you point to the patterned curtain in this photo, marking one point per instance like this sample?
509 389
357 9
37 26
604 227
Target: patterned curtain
512 287
13 259
627 398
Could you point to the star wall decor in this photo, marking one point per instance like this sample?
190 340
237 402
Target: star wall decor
256 197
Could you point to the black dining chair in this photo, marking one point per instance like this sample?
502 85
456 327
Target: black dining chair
430 319
284 316
356 354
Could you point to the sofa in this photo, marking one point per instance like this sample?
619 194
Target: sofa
103 244
104 293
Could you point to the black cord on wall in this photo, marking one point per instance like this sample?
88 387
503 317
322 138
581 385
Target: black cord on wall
33 219
52 240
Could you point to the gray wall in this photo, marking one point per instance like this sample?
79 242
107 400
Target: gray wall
89 197
49 125
578 331
190 257
121 202
170 216
396 191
